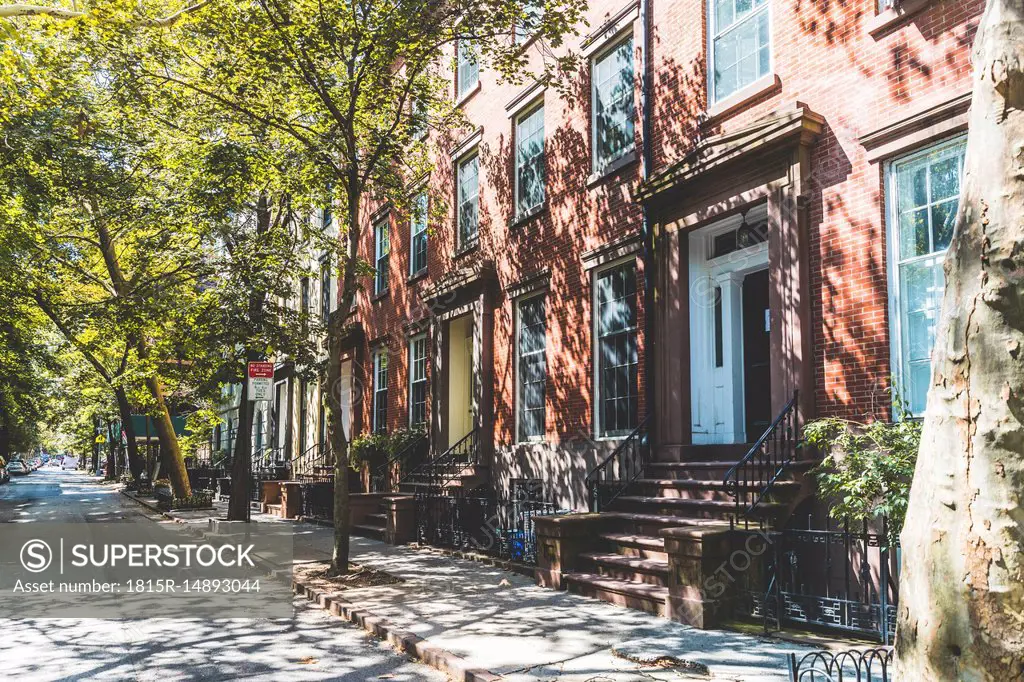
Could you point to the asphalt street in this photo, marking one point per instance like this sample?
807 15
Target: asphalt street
310 646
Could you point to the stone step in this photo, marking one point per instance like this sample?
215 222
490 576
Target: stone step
633 569
649 524
649 598
635 545
706 509
369 531
731 452
705 470
274 509
382 519
697 489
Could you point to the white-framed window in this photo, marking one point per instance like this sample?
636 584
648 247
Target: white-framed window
380 390
382 251
418 235
739 45
418 119
533 15
468 199
531 367
468 70
923 195
612 103
529 177
418 380
616 363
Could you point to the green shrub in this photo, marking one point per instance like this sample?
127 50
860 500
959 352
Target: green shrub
377 448
868 467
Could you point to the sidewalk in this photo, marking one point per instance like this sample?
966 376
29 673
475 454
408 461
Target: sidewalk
501 622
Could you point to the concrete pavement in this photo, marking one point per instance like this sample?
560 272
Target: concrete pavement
311 646
501 622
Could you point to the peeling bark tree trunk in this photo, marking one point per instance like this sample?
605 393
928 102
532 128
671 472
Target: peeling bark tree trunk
962 584
110 473
171 461
241 460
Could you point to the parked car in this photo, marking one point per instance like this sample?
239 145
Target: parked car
4 476
18 468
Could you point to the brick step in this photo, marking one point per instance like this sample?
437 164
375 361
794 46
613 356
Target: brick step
634 595
633 569
634 545
382 518
713 471
697 489
706 509
369 531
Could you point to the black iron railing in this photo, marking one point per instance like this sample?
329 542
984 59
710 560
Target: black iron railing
312 465
751 479
442 470
318 499
865 665
837 579
268 464
610 478
384 478
481 521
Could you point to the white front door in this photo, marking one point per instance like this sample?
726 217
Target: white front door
716 329
460 378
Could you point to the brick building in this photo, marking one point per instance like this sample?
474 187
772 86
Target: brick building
798 202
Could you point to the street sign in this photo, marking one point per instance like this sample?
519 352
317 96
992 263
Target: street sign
261 380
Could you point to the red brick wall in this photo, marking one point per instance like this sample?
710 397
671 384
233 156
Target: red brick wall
824 57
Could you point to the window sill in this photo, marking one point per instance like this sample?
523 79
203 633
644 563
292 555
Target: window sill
417 276
891 17
381 296
743 96
612 168
466 96
528 215
467 249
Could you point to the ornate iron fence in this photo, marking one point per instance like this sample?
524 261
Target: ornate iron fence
869 665
318 499
480 521
385 477
838 579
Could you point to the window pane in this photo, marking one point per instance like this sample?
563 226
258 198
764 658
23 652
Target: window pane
469 71
468 200
613 104
418 242
532 365
417 380
530 161
617 350
740 47
927 195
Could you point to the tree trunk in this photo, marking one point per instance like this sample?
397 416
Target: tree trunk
171 461
135 464
339 449
961 614
241 460
110 474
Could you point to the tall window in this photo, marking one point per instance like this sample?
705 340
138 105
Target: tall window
616 331
612 82
418 236
924 196
533 15
326 218
304 298
303 416
380 390
381 253
531 352
468 70
322 424
418 380
325 289
740 44
530 161
469 199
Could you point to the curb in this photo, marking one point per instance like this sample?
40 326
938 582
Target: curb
150 506
450 664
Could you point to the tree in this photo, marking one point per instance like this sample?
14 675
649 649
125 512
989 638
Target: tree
105 249
962 582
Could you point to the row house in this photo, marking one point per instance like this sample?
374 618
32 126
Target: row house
736 202
632 290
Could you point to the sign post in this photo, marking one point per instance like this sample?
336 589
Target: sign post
261 380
